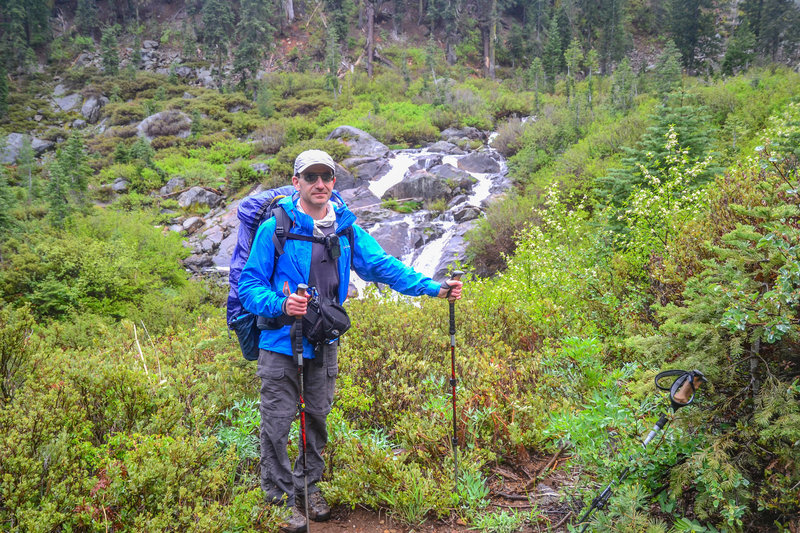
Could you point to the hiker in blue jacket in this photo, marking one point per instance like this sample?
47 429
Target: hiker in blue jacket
269 290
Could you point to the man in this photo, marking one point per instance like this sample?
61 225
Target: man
315 211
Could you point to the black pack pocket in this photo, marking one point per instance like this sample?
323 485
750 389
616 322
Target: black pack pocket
325 320
247 332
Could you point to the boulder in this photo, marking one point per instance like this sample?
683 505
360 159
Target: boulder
187 95
10 152
199 197
360 142
84 59
149 45
345 180
262 168
120 186
464 212
395 238
358 198
420 185
445 147
426 162
184 72
192 224
60 90
205 78
196 263
456 134
172 185
480 162
459 181
68 102
170 122
78 124
92 107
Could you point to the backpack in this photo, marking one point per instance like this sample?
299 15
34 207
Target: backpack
252 212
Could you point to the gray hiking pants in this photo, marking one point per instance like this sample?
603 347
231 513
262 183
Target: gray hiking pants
280 386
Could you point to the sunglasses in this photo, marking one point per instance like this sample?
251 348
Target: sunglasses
312 177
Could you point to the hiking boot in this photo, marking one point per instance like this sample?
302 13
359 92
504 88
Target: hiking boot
295 522
318 508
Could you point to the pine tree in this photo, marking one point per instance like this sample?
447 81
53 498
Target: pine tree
109 50
217 29
57 191
690 23
73 163
741 49
623 86
668 76
3 90
553 52
25 163
534 77
86 17
6 201
691 125
332 63
253 31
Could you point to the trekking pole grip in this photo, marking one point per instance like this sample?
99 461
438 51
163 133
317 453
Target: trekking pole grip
297 330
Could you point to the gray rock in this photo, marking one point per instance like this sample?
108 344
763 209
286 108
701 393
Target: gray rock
480 162
198 197
172 185
454 250
445 147
92 107
184 72
420 185
187 95
205 78
426 163
451 134
215 235
177 228
263 168
69 102
466 212
369 169
150 45
60 90
360 142
170 122
236 109
37 117
10 152
40 146
84 59
345 180
192 224
120 186
78 124
457 180
225 250
395 238
358 198
207 246
196 263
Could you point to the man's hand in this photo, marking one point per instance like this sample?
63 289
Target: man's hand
296 305
454 292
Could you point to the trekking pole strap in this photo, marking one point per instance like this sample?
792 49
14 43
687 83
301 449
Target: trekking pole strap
681 392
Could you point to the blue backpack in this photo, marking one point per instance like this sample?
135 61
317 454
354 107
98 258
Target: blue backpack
252 212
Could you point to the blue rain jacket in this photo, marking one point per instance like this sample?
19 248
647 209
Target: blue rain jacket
264 297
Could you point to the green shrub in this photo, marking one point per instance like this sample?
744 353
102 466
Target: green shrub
123 113
270 138
282 167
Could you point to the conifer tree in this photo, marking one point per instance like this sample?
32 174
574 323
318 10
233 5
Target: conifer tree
623 86
689 23
534 76
109 50
6 200
74 167
25 163
690 124
3 90
57 191
553 52
86 17
254 33
741 49
668 76
217 29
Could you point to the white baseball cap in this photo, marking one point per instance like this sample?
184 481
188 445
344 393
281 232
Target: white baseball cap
313 157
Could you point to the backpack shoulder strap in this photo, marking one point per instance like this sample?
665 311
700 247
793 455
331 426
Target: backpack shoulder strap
282 226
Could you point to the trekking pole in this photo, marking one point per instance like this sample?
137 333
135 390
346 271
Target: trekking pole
681 394
297 346
457 276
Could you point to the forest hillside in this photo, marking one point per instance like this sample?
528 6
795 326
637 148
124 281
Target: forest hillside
650 221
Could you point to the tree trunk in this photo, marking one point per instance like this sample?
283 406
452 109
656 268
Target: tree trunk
288 9
485 37
370 35
492 36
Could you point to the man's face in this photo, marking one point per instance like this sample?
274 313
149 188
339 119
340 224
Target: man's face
315 191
